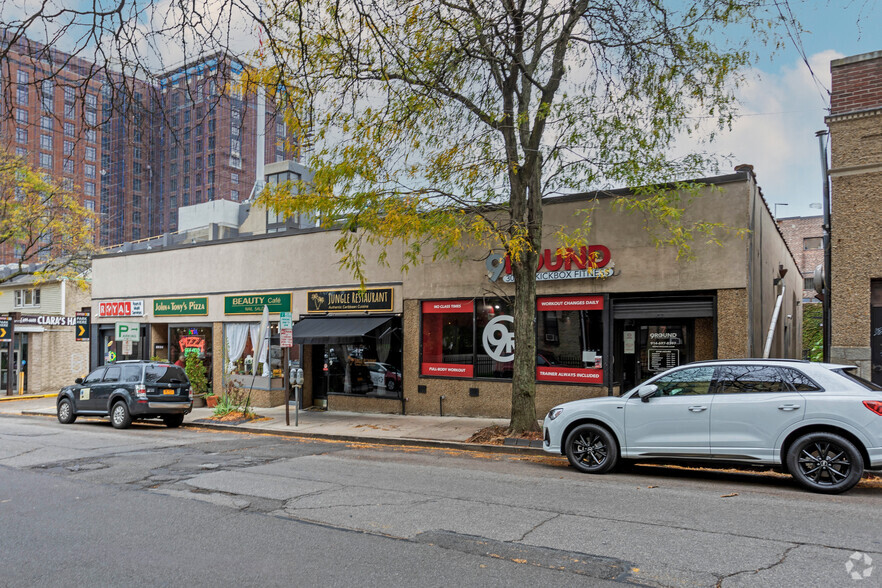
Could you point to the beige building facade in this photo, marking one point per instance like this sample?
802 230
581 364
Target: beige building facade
855 124
46 354
437 338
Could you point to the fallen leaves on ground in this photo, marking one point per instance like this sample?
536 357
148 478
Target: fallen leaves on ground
237 416
497 434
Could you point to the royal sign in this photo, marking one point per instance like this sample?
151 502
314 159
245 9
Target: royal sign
593 261
121 308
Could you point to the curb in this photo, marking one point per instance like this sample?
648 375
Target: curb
393 441
27 397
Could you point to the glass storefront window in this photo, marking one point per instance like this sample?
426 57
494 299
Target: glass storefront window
196 341
464 338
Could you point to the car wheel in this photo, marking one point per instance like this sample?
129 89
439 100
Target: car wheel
592 449
66 414
119 415
173 421
825 462
391 385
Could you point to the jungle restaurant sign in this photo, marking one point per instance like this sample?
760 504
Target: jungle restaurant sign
354 300
181 307
254 303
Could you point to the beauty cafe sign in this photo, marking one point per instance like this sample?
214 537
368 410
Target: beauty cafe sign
592 261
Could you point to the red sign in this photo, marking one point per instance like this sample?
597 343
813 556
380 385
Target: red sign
440 306
447 369
568 374
570 303
121 308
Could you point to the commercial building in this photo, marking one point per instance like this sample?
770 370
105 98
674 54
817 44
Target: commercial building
855 124
443 325
45 351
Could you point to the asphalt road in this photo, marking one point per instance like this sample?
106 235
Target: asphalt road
85 504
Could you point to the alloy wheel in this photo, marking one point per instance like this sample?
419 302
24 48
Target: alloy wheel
590 449
824 463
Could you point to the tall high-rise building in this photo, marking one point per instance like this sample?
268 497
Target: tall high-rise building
49 115
136 150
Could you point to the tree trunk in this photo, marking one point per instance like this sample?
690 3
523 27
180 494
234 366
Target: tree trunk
523 382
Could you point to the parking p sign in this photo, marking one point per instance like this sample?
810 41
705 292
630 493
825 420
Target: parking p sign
128 331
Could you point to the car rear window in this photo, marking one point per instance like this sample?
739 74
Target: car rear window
164 374
859 380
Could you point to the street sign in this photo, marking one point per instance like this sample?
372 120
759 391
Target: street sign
286 325
83 325
5 328
127 347
128 331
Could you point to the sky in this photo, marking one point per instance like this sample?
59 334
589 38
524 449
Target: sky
785 101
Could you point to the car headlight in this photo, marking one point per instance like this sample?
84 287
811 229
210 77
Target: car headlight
554 413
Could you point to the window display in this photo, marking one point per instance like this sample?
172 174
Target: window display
475 338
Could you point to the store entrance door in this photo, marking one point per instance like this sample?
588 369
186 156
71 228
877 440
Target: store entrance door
649 347
4 371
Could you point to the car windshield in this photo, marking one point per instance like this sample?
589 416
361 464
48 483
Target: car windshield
849 373
164 374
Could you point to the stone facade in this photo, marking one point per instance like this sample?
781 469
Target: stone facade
855 126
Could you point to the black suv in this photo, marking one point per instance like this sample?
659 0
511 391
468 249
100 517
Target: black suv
129 390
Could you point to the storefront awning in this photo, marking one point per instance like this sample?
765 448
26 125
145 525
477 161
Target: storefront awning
348 329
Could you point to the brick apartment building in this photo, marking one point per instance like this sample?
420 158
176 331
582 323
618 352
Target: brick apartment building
855 124
136 150
804 236
51 118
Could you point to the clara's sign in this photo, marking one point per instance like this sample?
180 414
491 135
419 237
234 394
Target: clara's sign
254 303
593 261
372 300
46 320
121 308
181 306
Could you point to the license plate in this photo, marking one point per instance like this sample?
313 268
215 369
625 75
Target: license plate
168 391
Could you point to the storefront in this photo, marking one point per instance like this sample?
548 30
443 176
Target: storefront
43 351
439 338
352 346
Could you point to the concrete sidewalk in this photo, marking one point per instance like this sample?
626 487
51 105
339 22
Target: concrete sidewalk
428 431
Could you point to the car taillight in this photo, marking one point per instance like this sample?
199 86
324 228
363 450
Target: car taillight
190 393
141 392
874 405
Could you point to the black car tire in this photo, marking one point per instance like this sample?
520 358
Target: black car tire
66 414
119 415
173 421
592 449
391 385
825 463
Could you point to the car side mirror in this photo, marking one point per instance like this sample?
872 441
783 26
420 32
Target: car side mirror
78 381
647 392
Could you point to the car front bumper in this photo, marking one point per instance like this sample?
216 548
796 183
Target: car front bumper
551 432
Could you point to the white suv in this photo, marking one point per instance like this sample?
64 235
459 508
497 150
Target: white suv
822 423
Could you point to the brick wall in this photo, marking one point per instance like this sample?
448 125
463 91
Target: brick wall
796 230
857 83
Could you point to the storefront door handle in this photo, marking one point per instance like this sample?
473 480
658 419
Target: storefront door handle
697 408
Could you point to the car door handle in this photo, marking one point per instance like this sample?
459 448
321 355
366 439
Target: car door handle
788 407
697 408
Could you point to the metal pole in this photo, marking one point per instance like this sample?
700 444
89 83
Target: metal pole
825 204
287 384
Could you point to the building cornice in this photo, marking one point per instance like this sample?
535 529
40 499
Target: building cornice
854 115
